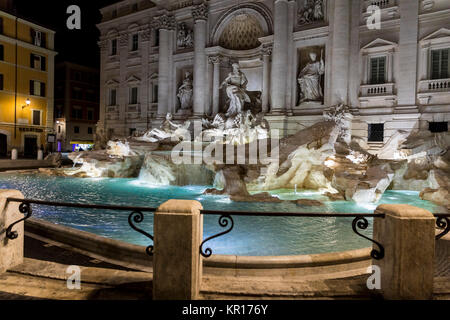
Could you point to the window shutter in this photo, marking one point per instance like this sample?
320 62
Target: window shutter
2 53
43 64
32 60
33 35
42 89
1 82
32 87
444 64
435 64
44 40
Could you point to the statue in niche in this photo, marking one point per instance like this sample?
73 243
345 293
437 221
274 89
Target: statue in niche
236 85
185 37
312 11
185 92
310 79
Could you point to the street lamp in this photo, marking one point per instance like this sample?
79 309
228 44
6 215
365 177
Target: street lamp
28 102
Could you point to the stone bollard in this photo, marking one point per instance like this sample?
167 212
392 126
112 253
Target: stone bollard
408 236
177 264
14 154
40 155
11 251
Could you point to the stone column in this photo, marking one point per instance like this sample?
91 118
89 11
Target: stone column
11 251
280 57
407 53
266 53
408 236
145 48
177 264
103 88
200 15
165 24
215 60
340 51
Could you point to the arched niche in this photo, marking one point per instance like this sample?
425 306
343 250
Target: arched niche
258 13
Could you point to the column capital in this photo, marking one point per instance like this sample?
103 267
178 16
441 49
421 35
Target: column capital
123 40
200 12
103 45
267 50
145 34
166 22
215 59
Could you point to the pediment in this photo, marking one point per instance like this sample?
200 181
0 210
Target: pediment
133 79
379 44
153 76
439 34
112 83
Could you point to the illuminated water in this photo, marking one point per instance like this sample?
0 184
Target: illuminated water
259 236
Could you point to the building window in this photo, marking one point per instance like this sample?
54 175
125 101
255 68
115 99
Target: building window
112 97
378 70
437 127
77 94
90 131
2 52
90 115
134 95
132 131
76 129
155 93
135 42
59 129
114 14
134 8
114 47
36 117
440 68
37 88
38 38
156 38
77 113
1 82
1 25
37 62
376 132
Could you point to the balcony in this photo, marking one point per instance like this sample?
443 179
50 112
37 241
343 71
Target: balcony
374 95
434 91
112 112
133 111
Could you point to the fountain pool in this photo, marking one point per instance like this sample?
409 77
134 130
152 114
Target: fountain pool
253 236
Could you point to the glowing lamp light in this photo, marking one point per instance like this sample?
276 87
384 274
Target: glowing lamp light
28 102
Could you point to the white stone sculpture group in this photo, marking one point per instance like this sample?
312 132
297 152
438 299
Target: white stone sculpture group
168 131
186 92
185 37
312 11
236 85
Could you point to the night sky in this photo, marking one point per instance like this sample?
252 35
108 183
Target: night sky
78 46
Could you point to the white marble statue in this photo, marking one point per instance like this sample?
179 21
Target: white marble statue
185 37
309 80
236 85
185 92
239 129
311 11
168 130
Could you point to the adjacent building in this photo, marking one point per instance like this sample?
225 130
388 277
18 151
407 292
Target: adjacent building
301 56
26 86
76 106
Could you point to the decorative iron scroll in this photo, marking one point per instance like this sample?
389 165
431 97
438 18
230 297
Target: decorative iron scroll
363 224
138 217
224 220
443 223
24 208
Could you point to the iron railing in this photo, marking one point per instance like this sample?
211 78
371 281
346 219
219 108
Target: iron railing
359 222
136 216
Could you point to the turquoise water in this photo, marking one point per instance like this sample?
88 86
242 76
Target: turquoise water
258 236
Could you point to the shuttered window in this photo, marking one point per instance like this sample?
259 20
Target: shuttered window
2 52
1 82
36 117
378 70
439 64
37 62
37 88
134 95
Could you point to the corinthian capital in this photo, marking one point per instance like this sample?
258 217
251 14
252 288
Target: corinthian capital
266 50
164 22
215 59
200 12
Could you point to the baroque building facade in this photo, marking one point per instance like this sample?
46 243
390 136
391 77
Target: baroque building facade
299 58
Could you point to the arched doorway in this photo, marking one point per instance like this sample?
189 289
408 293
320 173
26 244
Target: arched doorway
3 145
